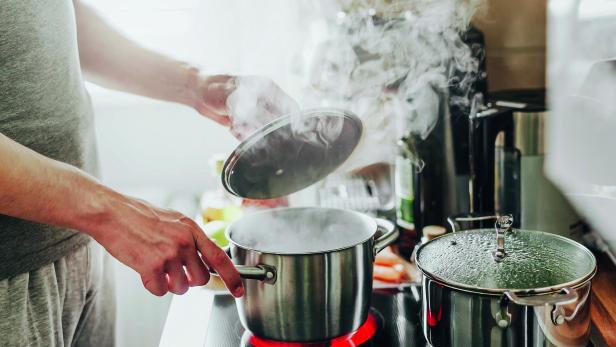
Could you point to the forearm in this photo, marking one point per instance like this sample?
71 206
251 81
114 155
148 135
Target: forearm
36 188
162 245
112 60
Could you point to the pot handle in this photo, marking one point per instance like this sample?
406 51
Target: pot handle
265 273
566 296
390 234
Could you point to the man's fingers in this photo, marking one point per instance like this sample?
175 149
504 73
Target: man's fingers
216 258
198 274
178 283
155 283
220 119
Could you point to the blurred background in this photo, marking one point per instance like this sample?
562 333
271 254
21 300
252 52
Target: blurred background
160 151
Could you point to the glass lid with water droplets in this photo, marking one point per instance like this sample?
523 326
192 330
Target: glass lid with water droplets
291 153
533 260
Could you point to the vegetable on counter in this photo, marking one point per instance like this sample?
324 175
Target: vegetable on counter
391 268
388 273
215 230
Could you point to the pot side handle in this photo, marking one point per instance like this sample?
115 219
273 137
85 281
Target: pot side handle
566 296
263 273
390 234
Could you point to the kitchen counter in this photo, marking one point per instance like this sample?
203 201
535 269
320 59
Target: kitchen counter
188 318
603 303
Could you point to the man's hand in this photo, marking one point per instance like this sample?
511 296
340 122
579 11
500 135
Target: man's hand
243 103
166 248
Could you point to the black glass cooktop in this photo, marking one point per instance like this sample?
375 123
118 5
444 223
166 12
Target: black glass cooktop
395 312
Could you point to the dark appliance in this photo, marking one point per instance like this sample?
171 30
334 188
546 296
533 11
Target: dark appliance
441 187
507 154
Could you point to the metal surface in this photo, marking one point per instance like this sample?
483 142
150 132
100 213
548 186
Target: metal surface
502 225
316 296
387 238
291 153
529 137
556 313
261 273
507 163
456 318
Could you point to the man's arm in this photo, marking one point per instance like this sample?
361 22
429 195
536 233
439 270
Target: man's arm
157 243
110 59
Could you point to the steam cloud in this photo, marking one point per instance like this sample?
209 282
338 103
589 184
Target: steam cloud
391 62
300 230
256 101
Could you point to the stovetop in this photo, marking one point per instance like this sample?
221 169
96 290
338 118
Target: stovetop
396 312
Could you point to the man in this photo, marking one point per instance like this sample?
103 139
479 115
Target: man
53 290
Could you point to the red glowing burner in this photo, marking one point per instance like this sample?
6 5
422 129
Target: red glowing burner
365 332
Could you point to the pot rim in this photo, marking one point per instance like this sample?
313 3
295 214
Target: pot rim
520 291
365 217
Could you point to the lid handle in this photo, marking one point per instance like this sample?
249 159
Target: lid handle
454 221
502 225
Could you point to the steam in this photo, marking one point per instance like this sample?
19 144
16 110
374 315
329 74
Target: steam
300 230
392 63
256 101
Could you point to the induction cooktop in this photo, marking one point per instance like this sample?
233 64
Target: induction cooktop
393 321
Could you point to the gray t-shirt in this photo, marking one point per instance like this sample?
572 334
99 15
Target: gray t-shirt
44 106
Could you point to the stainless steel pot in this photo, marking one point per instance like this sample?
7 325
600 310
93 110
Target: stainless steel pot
302 281
509 288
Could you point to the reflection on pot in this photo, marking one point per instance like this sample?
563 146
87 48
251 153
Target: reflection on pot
458 318
505 287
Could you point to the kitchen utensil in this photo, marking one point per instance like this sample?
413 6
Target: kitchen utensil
507 155
505 287
291 153
307 270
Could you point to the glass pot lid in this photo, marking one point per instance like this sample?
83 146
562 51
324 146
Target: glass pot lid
529 261
291 153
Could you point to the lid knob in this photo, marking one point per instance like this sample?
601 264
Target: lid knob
502 225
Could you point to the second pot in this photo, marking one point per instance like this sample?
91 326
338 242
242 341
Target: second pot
307 271
505 287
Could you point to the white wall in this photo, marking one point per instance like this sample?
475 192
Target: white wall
145 143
